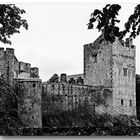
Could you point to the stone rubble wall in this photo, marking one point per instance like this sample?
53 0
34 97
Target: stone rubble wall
57 97
30 101
97 73
124 88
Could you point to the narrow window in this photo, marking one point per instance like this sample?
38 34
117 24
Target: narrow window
121 101
94 58
132 46
125 71
29 108
33 84
130 102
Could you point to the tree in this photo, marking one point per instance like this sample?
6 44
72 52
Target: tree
10 21
8 97
107 18
54 79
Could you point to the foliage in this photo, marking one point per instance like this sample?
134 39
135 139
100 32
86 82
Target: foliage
133 23
8 97
10 125
71 81
10 21
83 121
54 79
107 18
79 121
80 81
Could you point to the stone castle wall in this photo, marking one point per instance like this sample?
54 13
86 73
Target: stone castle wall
57 97
28 85
97 59
30 101
123 77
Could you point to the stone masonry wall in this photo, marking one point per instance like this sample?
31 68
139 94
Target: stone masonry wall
123 65
97 59
34 72
11 68
30 104
57 97
113 65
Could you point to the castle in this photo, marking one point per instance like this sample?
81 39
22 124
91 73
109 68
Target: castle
108 83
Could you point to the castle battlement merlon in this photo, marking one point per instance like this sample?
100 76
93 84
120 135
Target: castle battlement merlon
119 47
128 43
1 49
7 50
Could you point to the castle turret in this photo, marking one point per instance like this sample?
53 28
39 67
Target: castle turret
29 106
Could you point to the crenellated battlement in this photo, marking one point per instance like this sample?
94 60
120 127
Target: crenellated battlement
127 44
1 49
24 67
34 72
11 68
7 51
124 48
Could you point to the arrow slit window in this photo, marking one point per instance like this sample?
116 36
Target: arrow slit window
93 58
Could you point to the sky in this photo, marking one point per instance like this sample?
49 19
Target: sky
56 35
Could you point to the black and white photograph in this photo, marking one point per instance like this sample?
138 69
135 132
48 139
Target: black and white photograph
70 69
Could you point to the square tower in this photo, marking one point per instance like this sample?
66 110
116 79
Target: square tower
8 65
113 66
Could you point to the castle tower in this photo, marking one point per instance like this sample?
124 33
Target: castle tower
8 64
113 66
29 106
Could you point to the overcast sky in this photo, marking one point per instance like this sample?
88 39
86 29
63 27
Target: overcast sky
56 35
